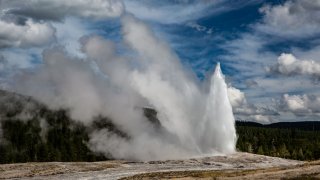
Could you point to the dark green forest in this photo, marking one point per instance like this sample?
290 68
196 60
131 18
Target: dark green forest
286 140
29 132
63 141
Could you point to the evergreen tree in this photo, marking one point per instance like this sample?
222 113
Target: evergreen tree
260 150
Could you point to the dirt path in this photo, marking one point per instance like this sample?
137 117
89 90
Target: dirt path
242 163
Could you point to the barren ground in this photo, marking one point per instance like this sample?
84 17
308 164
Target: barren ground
235 166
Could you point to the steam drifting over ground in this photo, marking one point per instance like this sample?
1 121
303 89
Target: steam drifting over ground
194 120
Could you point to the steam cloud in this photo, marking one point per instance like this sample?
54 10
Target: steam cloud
194 120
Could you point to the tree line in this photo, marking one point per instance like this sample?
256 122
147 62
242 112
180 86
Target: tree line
66 140
285 140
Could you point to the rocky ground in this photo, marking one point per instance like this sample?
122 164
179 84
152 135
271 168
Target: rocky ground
235 166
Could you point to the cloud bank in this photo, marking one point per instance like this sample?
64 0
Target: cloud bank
288 65
301 105
293 19
27 35
29 24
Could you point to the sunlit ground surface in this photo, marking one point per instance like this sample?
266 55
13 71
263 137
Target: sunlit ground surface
236 166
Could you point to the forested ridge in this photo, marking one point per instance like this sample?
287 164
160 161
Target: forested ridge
32 132
286 140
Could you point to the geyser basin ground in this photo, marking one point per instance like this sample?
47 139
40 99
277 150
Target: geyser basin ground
237 166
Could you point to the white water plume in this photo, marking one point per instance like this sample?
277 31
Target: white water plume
194 121
218 118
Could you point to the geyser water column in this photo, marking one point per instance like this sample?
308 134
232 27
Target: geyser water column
218 125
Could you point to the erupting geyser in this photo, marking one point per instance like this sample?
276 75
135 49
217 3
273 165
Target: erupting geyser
194 121
219 123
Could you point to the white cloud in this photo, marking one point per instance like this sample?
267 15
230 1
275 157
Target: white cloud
288 64
199 27
29 34
293 19
236 97
26 24
59 9
301 105
249 112
296 103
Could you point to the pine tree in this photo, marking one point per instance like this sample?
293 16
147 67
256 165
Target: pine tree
260 150
283 151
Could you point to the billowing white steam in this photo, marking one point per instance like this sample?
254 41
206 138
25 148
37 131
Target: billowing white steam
194 121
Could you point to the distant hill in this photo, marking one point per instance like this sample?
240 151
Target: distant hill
301 125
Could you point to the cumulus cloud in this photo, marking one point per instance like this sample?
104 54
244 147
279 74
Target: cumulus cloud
301 105
29 34
293 19
59 9
246 111
237 97
28 24
288 65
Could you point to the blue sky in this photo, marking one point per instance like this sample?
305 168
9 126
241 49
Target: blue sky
269 49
